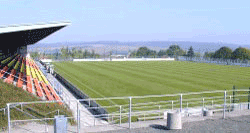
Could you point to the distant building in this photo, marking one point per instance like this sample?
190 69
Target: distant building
118 56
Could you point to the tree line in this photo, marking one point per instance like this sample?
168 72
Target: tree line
66 53
227 53
174 51
76 52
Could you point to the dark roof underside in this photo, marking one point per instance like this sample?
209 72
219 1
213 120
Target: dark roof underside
27 37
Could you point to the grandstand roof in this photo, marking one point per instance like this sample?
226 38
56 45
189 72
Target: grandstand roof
26 34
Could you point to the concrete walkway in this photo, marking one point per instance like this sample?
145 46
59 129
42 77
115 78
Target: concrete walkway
148 126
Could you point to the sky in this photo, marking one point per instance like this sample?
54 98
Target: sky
225 21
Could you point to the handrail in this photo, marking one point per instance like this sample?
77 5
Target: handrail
25 112
170 95
3 108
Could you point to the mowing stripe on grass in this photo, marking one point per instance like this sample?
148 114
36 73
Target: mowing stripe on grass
152 78
88 87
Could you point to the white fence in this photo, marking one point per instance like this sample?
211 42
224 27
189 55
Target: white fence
126 111
128 59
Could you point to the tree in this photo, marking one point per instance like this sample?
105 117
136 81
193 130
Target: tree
241 53
175 51
67 52
110 53
162 52
142 51
223 52
132 54
152 53
97 56
190 52
34 55
208 54
93 53
85 53
197 54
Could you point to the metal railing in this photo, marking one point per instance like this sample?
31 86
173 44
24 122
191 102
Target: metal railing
242 63
136 109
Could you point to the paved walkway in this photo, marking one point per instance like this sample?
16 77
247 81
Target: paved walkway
236 121
234 124
162 123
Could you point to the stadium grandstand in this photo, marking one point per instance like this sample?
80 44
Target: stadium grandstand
17 67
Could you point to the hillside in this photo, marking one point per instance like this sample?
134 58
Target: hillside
10 93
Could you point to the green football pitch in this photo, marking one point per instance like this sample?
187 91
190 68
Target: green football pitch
118 79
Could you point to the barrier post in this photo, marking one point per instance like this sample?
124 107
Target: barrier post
225 98
212 103
120 115
172 105
130 109
89 102
144 116
9 128
233 96
230 104
249 98
159 112
203 103
181 103
78 117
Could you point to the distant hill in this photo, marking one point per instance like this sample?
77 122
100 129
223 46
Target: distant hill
125 46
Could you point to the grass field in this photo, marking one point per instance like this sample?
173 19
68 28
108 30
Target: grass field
112 79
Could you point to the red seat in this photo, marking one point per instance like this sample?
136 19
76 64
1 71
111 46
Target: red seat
54 94
38 88
48 94
3 71
20 81
29 84
10 77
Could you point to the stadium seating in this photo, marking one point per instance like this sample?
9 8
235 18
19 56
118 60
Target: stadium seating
24 72
48 94
38 88
21 74
10 77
